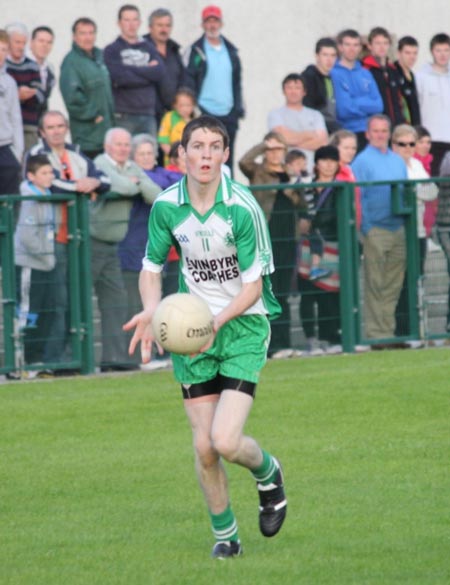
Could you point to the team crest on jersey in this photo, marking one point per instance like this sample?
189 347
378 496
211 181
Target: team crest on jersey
229 240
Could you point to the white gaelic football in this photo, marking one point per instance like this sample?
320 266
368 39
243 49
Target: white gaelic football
182 323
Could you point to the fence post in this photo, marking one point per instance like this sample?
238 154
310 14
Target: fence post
8 296
85 281
347 266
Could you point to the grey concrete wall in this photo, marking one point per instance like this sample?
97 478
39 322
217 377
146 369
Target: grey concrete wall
274 37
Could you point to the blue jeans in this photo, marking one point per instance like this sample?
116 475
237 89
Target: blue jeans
137 123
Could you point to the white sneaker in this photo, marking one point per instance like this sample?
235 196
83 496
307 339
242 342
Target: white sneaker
416 343
334 350
283 354
432 246
155 365
313 348
362 348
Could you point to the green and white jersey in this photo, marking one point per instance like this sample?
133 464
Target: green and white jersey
219 251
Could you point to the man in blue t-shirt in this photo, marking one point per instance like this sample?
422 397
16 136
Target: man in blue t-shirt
214 73
383 231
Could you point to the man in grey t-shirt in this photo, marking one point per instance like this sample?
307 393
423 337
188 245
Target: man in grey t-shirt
300 126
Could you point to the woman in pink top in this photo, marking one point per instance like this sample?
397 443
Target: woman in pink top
422 153
346 143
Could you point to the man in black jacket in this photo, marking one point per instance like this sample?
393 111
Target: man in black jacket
408 48
160 23
318 85
385 74
214 73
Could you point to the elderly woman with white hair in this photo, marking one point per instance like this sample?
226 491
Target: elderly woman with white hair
144 152
404 139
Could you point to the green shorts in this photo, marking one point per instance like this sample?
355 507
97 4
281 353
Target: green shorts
239 351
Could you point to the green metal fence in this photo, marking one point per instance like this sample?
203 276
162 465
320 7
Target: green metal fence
81 316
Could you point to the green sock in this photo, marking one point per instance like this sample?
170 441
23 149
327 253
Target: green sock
224 525
265 473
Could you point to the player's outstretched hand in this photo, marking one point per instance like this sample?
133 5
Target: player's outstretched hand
141 323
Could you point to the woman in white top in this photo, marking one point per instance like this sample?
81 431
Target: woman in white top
404 138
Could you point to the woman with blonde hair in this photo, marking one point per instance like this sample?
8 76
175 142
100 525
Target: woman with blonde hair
404 140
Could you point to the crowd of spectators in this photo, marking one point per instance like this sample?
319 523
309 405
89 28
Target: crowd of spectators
352 115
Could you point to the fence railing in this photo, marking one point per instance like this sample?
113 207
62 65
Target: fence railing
81 330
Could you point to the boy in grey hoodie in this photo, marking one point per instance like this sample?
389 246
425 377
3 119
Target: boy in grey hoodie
34 245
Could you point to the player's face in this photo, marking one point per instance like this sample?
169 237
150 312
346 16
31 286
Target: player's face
378 134
294 92
144 156
379 47
347 149
325 59
350 48
84 36
54 130
42 178
441 54
129 24
160 29
119 147
204 155
408 56
41 45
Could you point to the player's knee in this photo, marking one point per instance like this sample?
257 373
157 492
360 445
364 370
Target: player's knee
205 451
226 445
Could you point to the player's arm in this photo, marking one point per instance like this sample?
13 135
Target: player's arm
150 290
246 298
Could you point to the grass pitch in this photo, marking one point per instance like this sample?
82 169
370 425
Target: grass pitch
97 484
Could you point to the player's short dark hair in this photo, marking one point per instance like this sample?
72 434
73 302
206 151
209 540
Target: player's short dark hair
325 42
348 32
126 8
379 31
407 41
35 162
83 20
208 123
439 39
39 29
159 13
292 77
293 155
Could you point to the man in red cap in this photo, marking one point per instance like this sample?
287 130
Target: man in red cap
214 73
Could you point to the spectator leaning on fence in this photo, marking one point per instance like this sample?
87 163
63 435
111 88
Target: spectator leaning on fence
108 225
74 174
